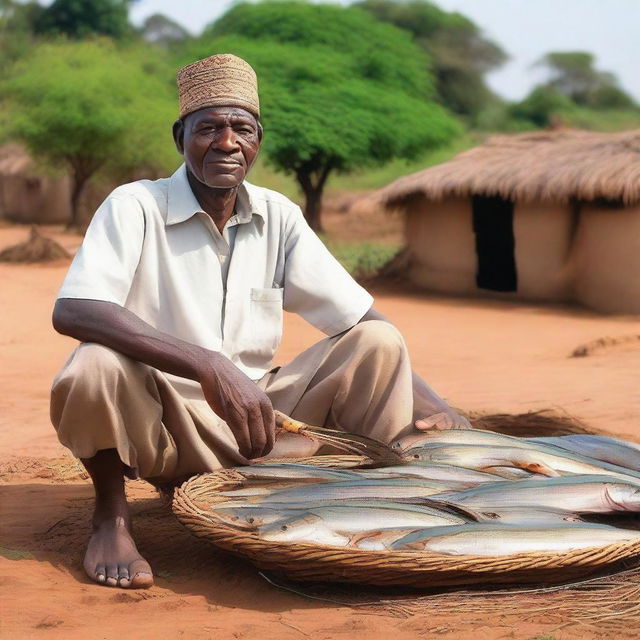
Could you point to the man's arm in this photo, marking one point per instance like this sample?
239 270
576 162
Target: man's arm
230 393
437 413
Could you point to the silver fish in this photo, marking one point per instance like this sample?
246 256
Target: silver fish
352 515
381 540
606 450
306 529
312 524
583 494
253 516
548 461
527 515
356 520
454 436
388 488
293 471
511 473
499 540
433 471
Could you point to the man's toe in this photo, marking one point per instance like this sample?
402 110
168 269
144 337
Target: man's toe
123 576
112 575
100 573
141 575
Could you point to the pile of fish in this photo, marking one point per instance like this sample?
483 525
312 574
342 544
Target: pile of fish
451 492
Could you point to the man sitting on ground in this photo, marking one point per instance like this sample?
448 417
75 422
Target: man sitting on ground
176 296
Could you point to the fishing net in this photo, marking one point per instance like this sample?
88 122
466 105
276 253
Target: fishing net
610 602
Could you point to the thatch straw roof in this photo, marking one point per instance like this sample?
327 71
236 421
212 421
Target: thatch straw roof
542 166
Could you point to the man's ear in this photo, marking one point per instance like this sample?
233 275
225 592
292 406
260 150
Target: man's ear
260 131
178 136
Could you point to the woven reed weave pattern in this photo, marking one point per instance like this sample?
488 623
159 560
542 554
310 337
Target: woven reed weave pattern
306 562
217 81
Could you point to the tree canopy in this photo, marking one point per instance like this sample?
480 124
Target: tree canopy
81 18
340 91
573 74
92 107
459 54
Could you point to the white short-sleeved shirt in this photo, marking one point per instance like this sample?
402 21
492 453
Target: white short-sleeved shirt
151 249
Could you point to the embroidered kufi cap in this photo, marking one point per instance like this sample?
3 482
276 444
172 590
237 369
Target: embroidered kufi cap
223 80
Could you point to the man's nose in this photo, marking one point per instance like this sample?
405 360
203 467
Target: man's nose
226 140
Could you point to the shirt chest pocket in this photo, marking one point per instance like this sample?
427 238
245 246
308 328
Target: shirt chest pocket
265 320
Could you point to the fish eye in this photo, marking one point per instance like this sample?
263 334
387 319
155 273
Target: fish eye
416 456
491 514
284 527
250 520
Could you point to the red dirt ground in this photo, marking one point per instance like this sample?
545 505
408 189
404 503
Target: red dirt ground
482 355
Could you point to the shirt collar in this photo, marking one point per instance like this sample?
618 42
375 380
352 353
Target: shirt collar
182 203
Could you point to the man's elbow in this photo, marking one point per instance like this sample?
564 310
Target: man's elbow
62 318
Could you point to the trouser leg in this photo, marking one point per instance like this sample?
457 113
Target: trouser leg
104 400
362 384
359 381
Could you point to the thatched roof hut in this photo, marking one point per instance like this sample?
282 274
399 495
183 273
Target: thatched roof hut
549 215
26 193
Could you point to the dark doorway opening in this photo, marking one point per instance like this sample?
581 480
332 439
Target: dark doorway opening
495 243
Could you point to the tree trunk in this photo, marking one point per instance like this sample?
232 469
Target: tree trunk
79 179
312 184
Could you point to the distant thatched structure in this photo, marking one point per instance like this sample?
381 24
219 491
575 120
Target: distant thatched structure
37 248
26 193
547 166
541 216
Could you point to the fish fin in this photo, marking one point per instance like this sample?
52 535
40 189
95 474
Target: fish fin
538 467
455 509
357 537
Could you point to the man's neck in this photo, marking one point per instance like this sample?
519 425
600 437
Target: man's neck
218 204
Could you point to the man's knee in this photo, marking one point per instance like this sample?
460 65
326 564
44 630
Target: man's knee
379 335
92 371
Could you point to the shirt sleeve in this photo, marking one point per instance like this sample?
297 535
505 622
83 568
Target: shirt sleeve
316 285
104 267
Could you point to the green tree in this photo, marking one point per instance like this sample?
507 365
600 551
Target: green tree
340 91
460 55
89 107
542 106
573 74
17 22
82 18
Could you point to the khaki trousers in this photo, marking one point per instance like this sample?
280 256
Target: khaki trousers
163 429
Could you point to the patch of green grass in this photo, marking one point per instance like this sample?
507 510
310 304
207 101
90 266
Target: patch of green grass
15 554
362 260
604 120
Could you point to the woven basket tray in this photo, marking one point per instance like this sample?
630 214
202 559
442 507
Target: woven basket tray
319 563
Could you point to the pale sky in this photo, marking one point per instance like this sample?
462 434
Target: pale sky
525 29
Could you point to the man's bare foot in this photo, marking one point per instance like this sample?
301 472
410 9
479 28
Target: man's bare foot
112 557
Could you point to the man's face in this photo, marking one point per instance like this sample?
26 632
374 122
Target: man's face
219 144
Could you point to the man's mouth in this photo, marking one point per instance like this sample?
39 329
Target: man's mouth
233 163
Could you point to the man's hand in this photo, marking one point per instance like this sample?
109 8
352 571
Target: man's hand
241 404
448 419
